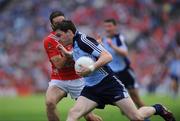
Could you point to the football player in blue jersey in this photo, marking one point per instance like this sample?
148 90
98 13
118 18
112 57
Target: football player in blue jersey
101 85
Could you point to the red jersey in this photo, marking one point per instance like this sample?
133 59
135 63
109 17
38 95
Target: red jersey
65 73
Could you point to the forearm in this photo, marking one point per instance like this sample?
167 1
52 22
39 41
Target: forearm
119 50
59 61
61 64
69 54
104 58
64 51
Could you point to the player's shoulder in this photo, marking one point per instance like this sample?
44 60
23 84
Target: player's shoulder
122 37
79 37
82 38
50 38
85 38
82 41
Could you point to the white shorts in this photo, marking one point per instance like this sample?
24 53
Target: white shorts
72 87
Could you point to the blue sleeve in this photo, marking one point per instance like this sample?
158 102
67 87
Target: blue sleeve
90 46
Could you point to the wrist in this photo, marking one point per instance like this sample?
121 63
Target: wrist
112 46
69 54
92 68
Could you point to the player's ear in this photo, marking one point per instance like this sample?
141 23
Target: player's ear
69 32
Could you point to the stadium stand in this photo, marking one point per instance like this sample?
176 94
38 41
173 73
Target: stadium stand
149 25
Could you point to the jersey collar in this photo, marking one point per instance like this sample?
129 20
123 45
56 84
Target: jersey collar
76 36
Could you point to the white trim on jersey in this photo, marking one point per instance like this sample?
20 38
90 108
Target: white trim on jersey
103 71
92 45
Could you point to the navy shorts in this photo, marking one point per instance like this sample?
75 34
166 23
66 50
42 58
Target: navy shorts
108 91
175 77
127 77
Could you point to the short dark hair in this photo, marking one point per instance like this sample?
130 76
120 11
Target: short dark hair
111 20
55 14
66 25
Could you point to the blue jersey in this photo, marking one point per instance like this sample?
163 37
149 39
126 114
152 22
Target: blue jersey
119 63
174 68
87 46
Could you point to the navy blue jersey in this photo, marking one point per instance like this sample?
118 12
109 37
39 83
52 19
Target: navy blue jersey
87 46
119 63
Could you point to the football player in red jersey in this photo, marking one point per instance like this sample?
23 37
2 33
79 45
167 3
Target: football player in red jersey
64 79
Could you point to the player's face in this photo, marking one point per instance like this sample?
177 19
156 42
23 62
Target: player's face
110 28
64 38
58 19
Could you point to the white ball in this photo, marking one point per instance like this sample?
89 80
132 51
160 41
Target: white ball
83 61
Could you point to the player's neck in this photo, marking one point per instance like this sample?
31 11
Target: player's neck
112 35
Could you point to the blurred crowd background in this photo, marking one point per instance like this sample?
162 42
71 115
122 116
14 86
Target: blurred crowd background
151 27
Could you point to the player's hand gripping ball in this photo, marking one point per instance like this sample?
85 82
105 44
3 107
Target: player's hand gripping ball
84 64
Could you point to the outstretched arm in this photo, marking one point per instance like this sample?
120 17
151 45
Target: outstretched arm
58 61
64 51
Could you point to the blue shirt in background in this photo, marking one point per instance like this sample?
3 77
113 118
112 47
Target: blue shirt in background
174 68
119 63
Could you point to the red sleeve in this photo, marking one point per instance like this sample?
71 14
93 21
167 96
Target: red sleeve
50 47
